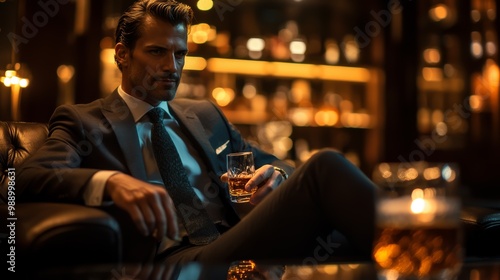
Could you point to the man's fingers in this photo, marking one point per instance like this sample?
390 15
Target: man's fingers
271 183
149 206
132 270
261 177
224 177
259 195
145 272
172 224
160 216
138 219
146 206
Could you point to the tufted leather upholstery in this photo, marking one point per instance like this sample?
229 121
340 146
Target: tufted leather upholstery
17 142
481 223
48 234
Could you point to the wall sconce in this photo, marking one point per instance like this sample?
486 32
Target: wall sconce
11 79
15 82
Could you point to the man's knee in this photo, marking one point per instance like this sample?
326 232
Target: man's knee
327 155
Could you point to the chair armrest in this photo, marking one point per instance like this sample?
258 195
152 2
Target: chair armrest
482 229
62 234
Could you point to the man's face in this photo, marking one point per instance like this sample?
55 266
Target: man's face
152 70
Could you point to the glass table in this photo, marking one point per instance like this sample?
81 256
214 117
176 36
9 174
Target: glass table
474 269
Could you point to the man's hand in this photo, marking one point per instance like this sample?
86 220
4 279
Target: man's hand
149 206
265 179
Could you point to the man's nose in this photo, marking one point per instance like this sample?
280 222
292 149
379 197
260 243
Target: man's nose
169 64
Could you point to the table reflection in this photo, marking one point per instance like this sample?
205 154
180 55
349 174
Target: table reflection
479 269
248 269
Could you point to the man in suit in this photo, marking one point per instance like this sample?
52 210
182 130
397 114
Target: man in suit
101 153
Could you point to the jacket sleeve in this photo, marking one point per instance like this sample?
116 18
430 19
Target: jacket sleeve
54 171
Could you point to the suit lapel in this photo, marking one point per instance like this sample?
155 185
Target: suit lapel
122 122
190 121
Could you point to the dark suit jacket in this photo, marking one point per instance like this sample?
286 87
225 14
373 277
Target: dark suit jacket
101 135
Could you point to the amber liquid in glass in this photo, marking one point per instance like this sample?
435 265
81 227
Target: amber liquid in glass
237 185
237 188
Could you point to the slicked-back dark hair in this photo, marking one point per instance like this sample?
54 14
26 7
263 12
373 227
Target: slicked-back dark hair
128 28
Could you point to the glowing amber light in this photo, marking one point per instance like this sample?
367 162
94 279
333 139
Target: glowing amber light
195 63
65 73
200 37
476 102
418 205
202 33
326 118
351 49
492 72
432 56
358 120
432 74
286 69
223 96
301 116
108 55
11 79
23 83
298 47
255 44
449 174
439 12
432 173
407 174
331 269
205 5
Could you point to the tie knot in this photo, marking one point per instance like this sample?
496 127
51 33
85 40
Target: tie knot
156 115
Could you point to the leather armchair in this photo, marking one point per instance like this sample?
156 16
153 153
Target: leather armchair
49 233
481 224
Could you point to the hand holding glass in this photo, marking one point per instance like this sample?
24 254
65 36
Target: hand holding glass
240 168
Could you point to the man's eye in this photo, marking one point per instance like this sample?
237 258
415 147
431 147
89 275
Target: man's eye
181 54
155 52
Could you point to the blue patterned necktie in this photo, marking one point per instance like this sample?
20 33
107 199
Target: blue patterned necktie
200 228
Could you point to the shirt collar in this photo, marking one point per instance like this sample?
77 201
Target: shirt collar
138 107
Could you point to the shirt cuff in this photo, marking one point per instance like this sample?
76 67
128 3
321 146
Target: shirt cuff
94 193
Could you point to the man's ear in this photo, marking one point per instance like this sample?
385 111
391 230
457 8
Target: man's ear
121 54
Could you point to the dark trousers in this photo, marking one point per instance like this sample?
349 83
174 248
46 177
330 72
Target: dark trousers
295 222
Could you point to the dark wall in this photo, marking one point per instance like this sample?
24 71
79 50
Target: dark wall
44 40
8 14
48 45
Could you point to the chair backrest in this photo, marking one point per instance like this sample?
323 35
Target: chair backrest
18 140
